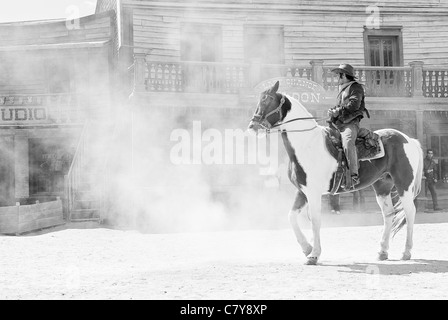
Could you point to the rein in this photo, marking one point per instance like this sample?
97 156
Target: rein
268 131
296 119
262 120
296 130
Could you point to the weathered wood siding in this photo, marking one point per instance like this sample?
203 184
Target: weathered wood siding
92 28
32 59
328 30
20 219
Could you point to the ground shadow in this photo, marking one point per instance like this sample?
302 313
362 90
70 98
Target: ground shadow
397 267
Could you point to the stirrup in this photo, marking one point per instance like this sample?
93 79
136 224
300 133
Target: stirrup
355 180
353 183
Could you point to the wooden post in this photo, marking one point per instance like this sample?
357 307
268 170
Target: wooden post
317 70
420 201
139 71
417 78
419 126
18 218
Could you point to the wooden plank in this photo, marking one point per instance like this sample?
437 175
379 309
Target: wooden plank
98 35
150 35
159 29
98 24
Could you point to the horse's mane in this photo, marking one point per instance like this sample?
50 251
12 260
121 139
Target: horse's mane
291 102
286 105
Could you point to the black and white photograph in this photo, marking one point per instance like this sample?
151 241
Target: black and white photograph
223 154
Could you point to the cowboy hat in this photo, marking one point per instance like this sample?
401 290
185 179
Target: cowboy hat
345 68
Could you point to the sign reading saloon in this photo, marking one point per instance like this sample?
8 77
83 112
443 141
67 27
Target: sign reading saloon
306 91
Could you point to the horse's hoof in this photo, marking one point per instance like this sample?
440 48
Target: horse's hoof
308 250
406 256
382 256
311 261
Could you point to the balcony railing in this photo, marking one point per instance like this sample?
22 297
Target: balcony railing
210 77
281 70
379 81
435 82
414 80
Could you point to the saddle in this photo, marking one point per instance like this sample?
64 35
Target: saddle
368 147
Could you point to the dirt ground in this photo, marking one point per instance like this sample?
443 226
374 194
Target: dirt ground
102 263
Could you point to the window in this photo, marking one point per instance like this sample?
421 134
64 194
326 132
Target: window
201 42
383 48
264 43
383 51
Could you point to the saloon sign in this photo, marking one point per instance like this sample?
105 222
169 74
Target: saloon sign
308 92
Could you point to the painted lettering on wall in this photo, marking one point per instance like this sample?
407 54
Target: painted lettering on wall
23 114
304 90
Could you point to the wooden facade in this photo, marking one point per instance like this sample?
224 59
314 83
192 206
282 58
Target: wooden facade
312 30
201 60
55 76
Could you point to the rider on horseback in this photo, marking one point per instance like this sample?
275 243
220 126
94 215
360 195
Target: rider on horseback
347 114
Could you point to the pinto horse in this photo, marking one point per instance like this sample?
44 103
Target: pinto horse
312 169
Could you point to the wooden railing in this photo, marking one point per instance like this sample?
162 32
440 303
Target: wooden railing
210 77
73 179
281 70
90 173
379 81
414 80
435 82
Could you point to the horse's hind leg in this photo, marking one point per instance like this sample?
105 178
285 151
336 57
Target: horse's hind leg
383 198
410 210
300 204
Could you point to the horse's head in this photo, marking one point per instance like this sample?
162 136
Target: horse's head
271 109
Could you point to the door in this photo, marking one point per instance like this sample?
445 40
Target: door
50 160
201 49
383 51
265 44
439 144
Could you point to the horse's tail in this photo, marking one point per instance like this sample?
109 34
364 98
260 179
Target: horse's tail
399 219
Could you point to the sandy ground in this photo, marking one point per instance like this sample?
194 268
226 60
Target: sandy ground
102 263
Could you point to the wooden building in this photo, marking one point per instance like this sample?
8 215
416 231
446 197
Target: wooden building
55 78
202 60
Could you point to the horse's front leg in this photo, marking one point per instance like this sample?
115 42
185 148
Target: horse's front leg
300 204
410 210
383 189
387 209
315 207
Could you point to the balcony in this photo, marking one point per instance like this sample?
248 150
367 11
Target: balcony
414 80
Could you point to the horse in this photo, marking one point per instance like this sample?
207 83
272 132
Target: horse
312 170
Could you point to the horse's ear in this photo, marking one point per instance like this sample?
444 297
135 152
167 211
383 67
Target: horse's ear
275 87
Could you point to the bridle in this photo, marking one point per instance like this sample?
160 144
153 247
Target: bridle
262 120
264 123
